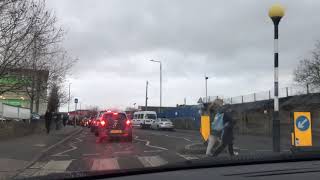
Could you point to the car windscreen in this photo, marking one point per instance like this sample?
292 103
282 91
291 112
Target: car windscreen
150 116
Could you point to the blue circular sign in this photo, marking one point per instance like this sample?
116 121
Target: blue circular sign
303 123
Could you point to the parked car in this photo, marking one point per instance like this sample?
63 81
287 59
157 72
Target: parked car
35 116
162 124
144 119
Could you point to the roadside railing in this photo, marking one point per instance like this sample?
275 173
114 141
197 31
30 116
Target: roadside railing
266 95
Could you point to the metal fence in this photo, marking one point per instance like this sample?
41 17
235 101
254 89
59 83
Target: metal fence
266 95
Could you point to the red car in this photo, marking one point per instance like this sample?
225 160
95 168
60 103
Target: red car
114 125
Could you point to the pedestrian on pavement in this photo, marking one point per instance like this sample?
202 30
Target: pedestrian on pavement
227 133
58 121
65 119
48 119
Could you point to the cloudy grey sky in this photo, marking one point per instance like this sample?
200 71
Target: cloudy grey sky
230 41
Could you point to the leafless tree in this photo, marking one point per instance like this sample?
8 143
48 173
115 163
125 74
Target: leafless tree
31 50
46 56
15 40
308 70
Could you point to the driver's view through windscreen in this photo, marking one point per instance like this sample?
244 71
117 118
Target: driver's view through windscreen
98 89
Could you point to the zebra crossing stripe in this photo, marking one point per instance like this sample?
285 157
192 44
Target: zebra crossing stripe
105 164
53 167
152 161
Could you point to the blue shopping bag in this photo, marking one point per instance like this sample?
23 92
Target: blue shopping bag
217 124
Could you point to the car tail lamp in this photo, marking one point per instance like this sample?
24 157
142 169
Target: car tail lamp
103 123
128 122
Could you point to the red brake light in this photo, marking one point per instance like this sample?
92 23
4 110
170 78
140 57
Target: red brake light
103 123
128 122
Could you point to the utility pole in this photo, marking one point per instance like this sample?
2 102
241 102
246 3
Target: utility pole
75 110
206 79
160 83
185 101
146 106
69 99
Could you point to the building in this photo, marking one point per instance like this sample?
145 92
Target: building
19 86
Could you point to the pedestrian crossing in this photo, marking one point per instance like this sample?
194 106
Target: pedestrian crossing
97 164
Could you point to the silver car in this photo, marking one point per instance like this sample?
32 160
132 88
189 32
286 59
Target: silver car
162 123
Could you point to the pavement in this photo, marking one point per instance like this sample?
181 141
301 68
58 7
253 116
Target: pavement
16 154
80 151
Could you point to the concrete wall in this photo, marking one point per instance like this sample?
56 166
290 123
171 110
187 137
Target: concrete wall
256 118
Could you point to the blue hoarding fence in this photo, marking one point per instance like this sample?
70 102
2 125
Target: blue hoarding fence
185 115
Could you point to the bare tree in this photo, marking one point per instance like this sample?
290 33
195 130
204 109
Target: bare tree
308 70
31 50
15 40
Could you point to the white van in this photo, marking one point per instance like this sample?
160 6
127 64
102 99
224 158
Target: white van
144 119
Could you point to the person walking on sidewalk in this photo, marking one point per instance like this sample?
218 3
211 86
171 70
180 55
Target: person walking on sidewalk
48 119
227 133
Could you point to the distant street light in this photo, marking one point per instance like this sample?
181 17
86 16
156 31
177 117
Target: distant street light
160 83
276 12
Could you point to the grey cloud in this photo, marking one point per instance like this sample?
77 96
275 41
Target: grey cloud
227 39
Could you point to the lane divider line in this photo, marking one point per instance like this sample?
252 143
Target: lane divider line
148 144
68 150
178 137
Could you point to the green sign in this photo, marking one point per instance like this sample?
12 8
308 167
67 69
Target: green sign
11 80
15 102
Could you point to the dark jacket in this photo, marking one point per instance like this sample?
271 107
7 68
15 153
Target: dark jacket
227 134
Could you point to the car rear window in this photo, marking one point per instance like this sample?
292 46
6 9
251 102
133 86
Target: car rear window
112 116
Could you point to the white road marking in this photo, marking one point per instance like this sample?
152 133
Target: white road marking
122 152
152 161
264 150
73 147
105 164
188 145
187 157
178 137
62 153
152 151
39 145
148 144
80 140
93 154
38 165
53 167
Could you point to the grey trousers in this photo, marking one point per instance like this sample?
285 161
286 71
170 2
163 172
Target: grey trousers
212 142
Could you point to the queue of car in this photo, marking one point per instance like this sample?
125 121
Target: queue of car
149 119
116 124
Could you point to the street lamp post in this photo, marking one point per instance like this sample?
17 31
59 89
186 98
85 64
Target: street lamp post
206 79
276 12
160 83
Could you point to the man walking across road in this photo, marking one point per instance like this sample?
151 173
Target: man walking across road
227 133
216 128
